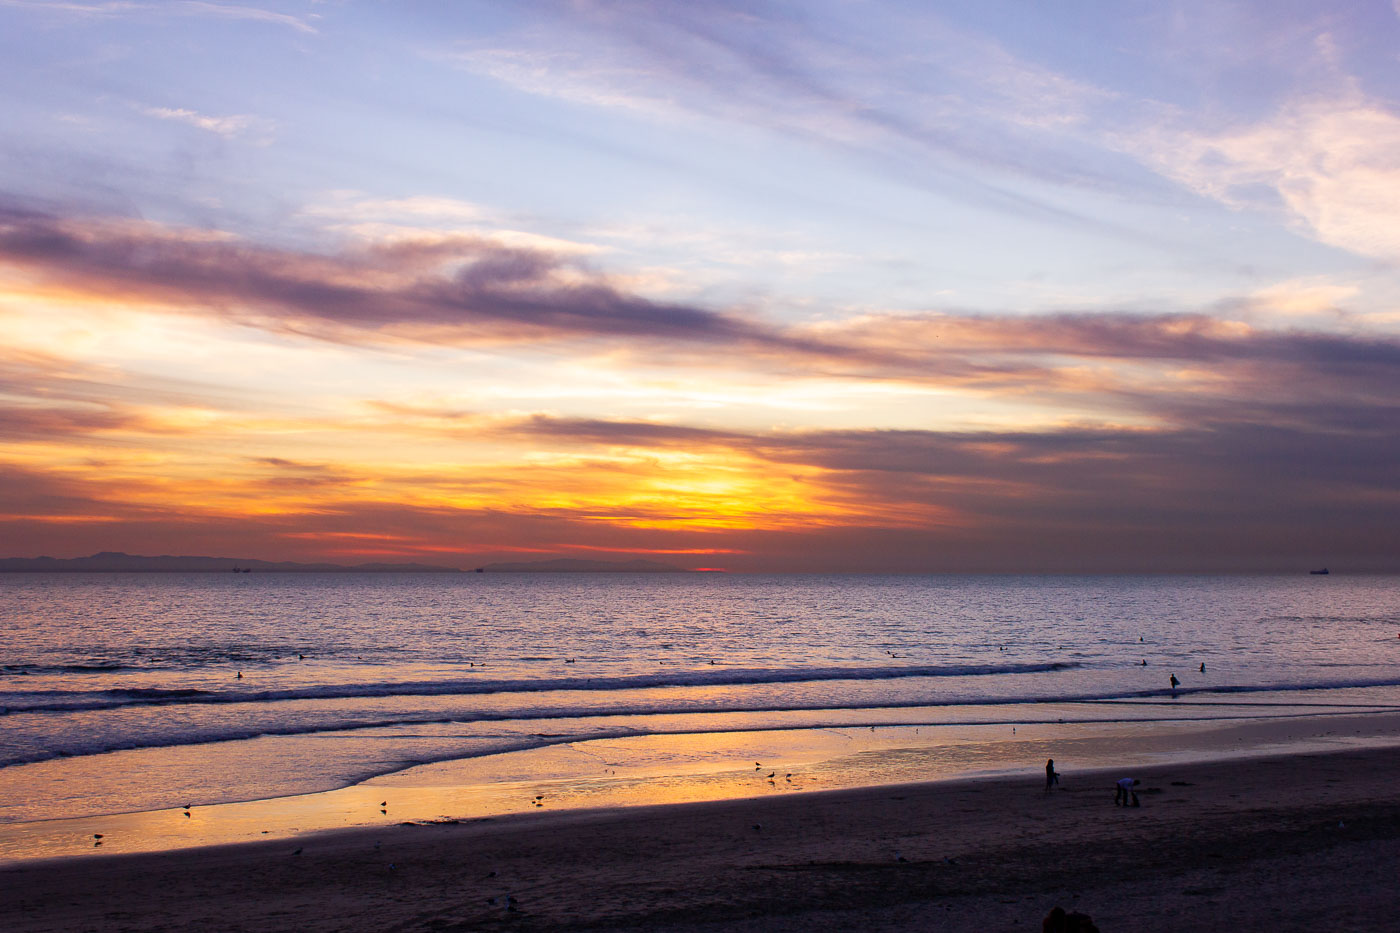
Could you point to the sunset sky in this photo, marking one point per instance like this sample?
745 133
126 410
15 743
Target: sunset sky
806 286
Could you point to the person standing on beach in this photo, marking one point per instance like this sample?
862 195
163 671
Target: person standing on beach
1124 795
1175 682
1052 777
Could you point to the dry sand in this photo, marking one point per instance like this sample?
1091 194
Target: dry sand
1303 842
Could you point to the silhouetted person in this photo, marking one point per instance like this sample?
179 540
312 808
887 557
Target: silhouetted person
1175 684
1057 921
1052 777
1203 667
1124 795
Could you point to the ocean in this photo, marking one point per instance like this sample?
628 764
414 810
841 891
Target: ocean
136 692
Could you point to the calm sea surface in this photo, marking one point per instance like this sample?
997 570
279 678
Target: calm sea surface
344 676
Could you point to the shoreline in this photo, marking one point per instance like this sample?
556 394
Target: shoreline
709 767
1290 841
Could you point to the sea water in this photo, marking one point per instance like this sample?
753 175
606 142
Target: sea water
124 692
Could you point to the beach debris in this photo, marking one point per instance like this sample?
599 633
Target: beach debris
97 835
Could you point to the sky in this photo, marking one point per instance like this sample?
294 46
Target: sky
758 286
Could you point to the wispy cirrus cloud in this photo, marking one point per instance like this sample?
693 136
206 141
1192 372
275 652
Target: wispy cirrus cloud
205 8
937 110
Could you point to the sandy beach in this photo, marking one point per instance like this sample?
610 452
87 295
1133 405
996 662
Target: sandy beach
1298 842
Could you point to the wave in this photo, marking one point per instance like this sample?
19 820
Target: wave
64 701
94 667
583 715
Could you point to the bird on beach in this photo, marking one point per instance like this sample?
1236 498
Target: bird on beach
187 814
383 803
97 835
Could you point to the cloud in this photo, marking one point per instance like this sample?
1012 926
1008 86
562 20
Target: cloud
1331 163
224 126
1212 496
466 288
171 7
470 290
943 109
1303 296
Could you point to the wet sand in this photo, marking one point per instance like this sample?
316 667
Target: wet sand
1300 842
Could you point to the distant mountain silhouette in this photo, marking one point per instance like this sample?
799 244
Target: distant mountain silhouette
116 561
569 565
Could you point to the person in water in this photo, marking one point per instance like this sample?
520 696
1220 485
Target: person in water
1175 683
1052 777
